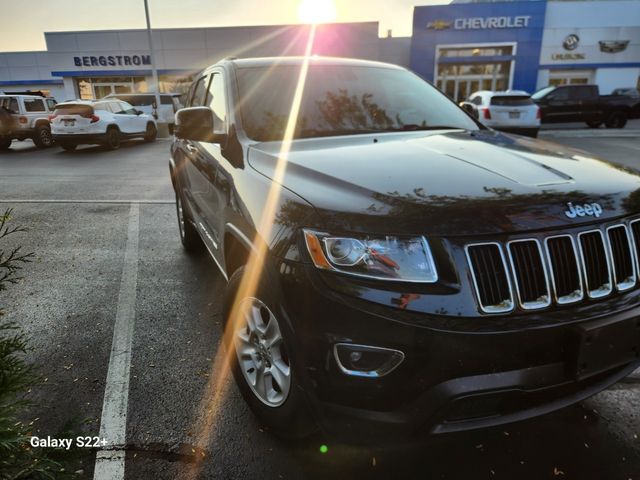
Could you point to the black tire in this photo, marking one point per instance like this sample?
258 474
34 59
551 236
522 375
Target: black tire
69 147
189 237
42 137
151 133
5 143
594 123
292 418
112 141
616 120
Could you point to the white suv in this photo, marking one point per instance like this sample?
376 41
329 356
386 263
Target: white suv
146 102
106 122
511 111
25 116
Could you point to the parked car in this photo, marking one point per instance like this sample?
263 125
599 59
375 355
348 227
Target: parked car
145 102
392 264
583 103
627 92
27 118
511 111
105 122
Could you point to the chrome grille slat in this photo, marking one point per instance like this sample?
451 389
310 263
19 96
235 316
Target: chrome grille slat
595 263
530 274
635 239
621 252
489 276
565 275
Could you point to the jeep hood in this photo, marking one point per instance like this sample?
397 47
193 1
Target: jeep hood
449 182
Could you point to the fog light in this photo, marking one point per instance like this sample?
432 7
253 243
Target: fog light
365 360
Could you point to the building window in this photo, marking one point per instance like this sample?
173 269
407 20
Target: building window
99 87
570 77
466 69
175 83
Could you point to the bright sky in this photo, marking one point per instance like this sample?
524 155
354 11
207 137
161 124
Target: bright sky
31 18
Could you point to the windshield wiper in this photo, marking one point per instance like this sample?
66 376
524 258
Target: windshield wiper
412 127
311 132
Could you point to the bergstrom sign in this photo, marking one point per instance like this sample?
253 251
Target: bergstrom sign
482 23
111 60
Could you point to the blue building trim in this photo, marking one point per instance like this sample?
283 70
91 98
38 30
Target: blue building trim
472 24
119 73
32 82
579 66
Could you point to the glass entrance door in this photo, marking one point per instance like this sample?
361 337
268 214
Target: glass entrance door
99 87
462 70
101 90
570 77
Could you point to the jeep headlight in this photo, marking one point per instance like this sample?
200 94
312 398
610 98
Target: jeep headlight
381 257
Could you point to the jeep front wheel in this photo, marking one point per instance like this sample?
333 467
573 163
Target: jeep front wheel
264 360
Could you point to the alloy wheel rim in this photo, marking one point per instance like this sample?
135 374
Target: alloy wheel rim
45 137
261 353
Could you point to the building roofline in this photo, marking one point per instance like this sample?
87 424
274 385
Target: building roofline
226 27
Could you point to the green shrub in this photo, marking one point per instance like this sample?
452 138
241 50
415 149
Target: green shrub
17 459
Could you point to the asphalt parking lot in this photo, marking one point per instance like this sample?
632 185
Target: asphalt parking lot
79 208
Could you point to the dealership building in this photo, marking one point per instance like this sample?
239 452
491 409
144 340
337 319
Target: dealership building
461 47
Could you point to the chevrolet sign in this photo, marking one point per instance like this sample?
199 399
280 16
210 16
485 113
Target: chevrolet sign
479 23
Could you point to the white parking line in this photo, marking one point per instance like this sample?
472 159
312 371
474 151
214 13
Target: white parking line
113 426
131 202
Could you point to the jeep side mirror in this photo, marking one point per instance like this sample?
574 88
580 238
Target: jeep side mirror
471 109
196 123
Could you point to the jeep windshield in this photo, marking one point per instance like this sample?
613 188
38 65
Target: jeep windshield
343 100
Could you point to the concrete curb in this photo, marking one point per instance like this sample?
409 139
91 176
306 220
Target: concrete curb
604 133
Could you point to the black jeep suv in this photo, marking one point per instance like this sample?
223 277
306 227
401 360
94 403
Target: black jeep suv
394 266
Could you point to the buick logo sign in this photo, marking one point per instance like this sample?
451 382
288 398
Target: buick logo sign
590 209
571 42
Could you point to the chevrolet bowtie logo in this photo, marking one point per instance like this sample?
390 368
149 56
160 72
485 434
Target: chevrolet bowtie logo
438 25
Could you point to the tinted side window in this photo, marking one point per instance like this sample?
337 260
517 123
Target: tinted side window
583 93
120 108
197 100
51 103
217 102
13 106
477 100
34 105
127 108
559 94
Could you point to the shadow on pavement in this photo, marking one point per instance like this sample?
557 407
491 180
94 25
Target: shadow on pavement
573 443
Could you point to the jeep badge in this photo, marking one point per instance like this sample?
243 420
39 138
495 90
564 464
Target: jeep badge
593 209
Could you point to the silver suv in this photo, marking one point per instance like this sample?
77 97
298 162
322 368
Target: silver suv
25 116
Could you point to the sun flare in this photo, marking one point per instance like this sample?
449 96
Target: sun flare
317 11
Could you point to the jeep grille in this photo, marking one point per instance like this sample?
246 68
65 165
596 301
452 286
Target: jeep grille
559 269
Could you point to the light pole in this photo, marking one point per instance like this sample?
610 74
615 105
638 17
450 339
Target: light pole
154 70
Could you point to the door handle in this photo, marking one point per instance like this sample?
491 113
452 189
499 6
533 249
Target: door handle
191 149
